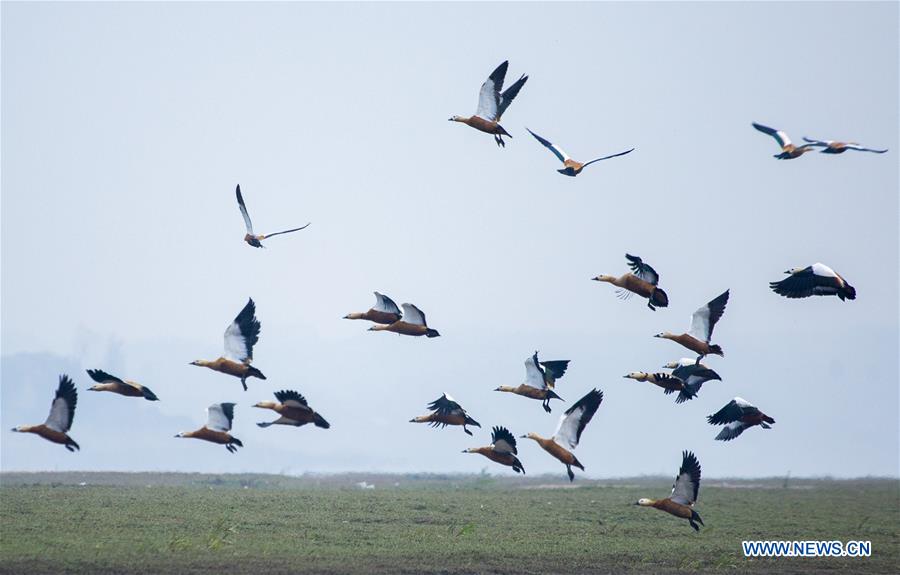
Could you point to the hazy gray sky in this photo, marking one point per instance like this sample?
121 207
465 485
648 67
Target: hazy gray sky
125 128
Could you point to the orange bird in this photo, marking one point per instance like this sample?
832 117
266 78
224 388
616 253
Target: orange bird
62 412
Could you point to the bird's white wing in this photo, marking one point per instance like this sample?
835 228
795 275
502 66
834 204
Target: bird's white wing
240 200
58 420
822 270
700 324
687 482
557 151
413 315
567 429
242 334
489 96
385 304
235 344
533 376
780 137
819 143
859 148
219 416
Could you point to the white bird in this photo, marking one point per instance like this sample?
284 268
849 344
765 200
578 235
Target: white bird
571 167
817 279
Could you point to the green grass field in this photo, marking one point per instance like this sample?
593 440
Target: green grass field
178 523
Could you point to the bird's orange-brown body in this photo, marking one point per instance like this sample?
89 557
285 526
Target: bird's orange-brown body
446 419
47 433
507 459
694 344
404 328
382 317
526 391
206 434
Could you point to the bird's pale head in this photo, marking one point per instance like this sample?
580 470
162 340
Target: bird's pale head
636 375
644 502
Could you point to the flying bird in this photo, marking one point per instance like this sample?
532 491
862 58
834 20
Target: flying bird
218 424
59 422
684 492
540 380
702 323
833 147
293 409
385 311
502 449
568 431
642 281
788 150
817 279
669 384
684 361
695 375
107 382
738 415
412 323
492 103
446 411
240 337
256 239
570 166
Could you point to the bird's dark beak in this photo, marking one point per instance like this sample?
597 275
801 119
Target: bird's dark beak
465 450
371 328
657 335
596 279
497 389
523 437
635 503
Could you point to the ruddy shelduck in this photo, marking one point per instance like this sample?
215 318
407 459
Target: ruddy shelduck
817 279
385 311
568 431
492 104
446 411
294 410
643 281
240 337
703 322
684 492
570 166
502 449
218 424
107 382
668 382
252 239
834 147
59 422
738 415
412 323
540 379
788 150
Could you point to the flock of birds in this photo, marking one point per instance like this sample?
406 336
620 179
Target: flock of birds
686 377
